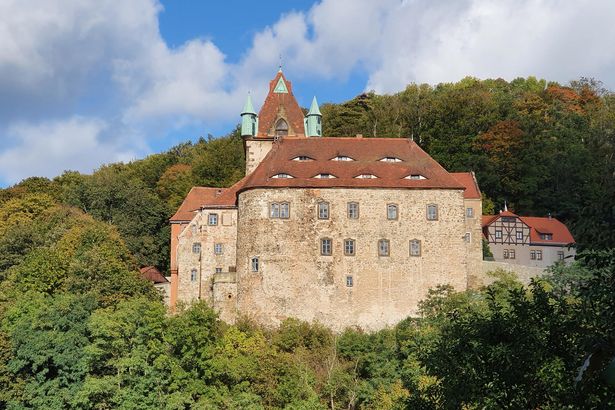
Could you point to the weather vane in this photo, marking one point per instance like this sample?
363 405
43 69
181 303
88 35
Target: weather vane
280 62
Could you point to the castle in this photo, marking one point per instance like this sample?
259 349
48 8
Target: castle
344 231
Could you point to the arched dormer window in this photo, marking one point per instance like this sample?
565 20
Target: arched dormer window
390 159
324 176
282 175
342 158
281 128
366 176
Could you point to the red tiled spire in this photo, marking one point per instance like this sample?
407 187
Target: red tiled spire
280 104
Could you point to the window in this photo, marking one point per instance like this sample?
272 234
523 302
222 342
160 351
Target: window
274 210
432 212
349 247
508 219
415 247
391 211
520 235
196 247
349 281
469 212
218 270
533 255
390 159
342 158
284 210
467 238
498 234
539 255
546 236
415 177
212 219
325 246
281 128
282 175
353 210
511 254
560 255
218 249
194 228
193 275
323 210
324 176
383 247
366 176
302 158
505 253
255 264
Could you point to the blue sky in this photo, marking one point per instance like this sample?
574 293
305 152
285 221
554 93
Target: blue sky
88 82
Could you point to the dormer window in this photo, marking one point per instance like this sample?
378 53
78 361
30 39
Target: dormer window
282 175
366 176
415 177
546 236
342 158
281 128
324 176
303 158
390 159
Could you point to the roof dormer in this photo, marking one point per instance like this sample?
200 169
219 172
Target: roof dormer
342 158
390 159
283 175
324 176
415 177
366 176
303 158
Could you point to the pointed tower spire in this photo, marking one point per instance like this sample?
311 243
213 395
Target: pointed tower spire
249 120
313 120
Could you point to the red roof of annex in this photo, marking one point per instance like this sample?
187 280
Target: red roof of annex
538 225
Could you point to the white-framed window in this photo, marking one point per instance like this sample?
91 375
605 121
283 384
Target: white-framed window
505 253
193 274
323 210
415 247
546 236
279 210
326 246
560 255
392 211
255 264
511 254
467 238
218 270
212 219
302 158
432 212
469 212
218 249
282 175
342 158
349 247
274 210
390 159
196 247
384 247
539 255
324 175
284 210
366 176
519 235
533 255
353 210
415 177
349 281
498 234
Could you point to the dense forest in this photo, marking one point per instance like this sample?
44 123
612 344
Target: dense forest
79 329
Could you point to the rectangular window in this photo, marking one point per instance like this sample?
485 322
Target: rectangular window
533 255
505 253
432 212
218 249
284 210
193 275
520 235
255 264
353 210
498 234
560 255
323 210
325 246
546 236
470 212
511 254
196 247
349 247
539 255
383 247
391 211
349 281
212 219
415 247
218 270
274 210
467 237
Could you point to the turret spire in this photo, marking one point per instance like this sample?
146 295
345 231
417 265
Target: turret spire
313 120
249 119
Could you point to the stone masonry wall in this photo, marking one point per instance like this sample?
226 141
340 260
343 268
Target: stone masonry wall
255 152
296 280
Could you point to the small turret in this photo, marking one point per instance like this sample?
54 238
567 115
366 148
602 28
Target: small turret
249 119
313 121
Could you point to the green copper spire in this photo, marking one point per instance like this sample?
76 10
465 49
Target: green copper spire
313 121
249 120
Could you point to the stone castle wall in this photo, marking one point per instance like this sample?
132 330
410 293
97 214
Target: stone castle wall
295 280
256 150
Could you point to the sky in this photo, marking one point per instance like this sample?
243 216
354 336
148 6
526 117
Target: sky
89 82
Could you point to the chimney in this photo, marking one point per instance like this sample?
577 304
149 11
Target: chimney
549 215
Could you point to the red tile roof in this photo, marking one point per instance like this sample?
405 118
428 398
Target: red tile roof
280 104
193 201
538 225
152 274
468 180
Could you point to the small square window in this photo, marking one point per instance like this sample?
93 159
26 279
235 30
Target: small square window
323 210
511 254
467 238
349 247
383 247
218 270
392 211
284 210
349 281
212 219
274 210
415 247
325 247
520 235
196 247
353 210
193 273
560 255
533 255
505 253
469 212
539 255
218 249
255 264
432 212
498 234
